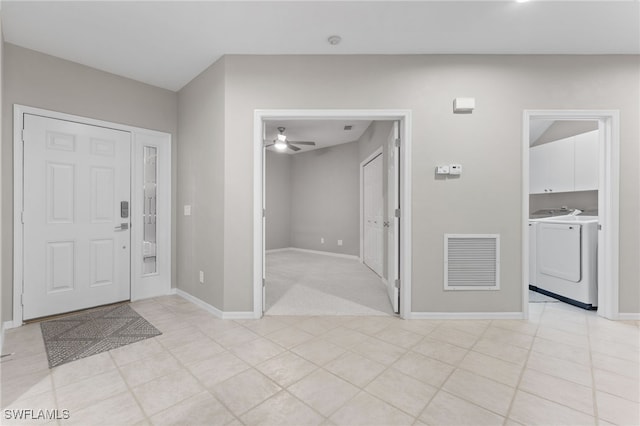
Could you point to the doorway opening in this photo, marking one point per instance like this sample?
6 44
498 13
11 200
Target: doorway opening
570 207
324 224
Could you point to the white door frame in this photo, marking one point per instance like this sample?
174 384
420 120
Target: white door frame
608 202
141 286
404 117
373 155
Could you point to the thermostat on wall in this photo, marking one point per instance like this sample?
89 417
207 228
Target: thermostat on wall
442 170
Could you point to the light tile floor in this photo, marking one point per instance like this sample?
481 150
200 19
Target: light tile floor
564 366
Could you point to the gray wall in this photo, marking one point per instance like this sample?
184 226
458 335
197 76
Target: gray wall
563 129
201 169
278 200
316 194
374 137
325 198
487 198
583 200
38 80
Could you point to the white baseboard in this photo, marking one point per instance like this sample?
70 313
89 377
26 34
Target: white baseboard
212 309
627 316
466 315
277 250
326 253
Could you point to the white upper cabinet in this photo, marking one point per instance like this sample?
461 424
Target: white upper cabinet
565 165
552 167
586 164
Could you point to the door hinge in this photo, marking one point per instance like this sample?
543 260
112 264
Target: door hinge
397 213
397 142
264 282
599 227
22 299
264 212
22 217
397 283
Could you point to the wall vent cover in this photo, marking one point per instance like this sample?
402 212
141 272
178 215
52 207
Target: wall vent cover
472 262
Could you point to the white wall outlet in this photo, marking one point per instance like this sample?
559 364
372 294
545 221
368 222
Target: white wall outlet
339 242
201 277
321 240
455 169
187 210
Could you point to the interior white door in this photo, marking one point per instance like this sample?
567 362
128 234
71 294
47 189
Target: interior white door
373 215
393 222
76 218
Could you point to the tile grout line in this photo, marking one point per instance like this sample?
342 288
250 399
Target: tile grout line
206 389
129 388
507 417
593 378
455 368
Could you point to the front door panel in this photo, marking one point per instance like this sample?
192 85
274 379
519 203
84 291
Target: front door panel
76 251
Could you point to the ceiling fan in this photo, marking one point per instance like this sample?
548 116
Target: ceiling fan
281 142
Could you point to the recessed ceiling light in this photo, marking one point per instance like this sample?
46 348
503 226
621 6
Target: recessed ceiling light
334 39
522 1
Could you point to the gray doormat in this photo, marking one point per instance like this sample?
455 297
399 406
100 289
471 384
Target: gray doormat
91 332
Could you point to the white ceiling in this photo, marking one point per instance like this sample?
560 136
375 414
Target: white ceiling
168 43
323 132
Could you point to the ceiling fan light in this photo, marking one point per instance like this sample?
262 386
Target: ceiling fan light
280 145
282 137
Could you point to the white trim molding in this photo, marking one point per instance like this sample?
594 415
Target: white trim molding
401 115
608 203
140 289
212 309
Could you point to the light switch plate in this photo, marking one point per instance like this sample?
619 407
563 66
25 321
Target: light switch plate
187 210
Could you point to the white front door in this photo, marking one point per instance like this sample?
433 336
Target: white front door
393 222
373 215
76 218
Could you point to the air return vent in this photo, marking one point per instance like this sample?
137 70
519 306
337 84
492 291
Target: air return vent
471 261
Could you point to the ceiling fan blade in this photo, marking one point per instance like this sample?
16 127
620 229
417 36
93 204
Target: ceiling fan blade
293 148
267 145
302 143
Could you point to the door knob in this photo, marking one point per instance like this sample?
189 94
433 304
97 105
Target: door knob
122 227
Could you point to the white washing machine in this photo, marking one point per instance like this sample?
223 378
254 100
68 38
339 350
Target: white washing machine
566 257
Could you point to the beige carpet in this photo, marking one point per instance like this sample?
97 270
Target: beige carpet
300 283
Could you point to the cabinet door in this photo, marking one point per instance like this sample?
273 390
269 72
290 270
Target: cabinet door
586 161
537 182
552 167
